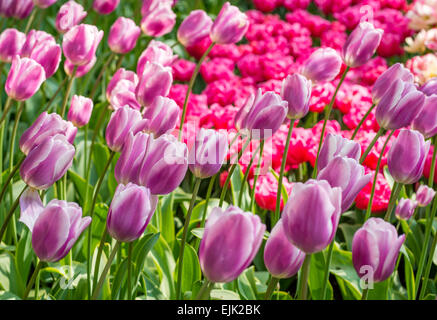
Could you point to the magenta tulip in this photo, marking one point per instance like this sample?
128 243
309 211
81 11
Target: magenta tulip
426 120
70 14
43 3
430 87
230 26
335 145
123 35
48 55
121 74
105 6
155 81
80 110
324 64
195 27
34 39
157 52
162 116
296 90
405 208
11 43
424 195
159 21
69 68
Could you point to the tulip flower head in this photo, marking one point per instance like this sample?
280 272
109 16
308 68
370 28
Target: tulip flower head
162 116
426 120
230 26
195 27
335 145
157 52
80 110
387 78
123 35
70 14
11 43
159 21
155 81
105 6
405 208
424 195
296 90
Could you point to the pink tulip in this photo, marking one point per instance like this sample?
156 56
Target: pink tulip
48 55
11 43
230 25
80 70
196 26
159 21
123 35
80 44
80 110
105 6
44 3
69 15
157 52
155 81
34 39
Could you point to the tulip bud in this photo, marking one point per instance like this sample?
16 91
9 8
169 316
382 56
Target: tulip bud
208 153
44 3
405 208
376 245
121 74
282 259
80 110
399 106
80 70
155 81
230 26
386 79
47 162
262 115
165 164
123 35
55 228
20 9
230 242
162 116
123 94
424 195
426 120
157 52
48 55
195 27
347 174
44 127
311 215
34 39
123 121
130 212
430 87
324 64
335 145
407 155
11 43
159 21
150 5
131 158
361 44
105 6
69 15
296 90
24 78
80 43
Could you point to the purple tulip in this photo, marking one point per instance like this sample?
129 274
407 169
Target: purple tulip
123 94
80 110
424 195
296 90
123 35
261 116
150 5
195 27
386 79
361 44
430 87
47 162
121 74
282 259
399 106
165 164
80 43
69 15
335 145
44 3
347 174
122 122
208 153
11 43
311 215
405 208
159 21
24 78
324 64
80 70
55 228
105 6
230 26
376 245
407 155
162 116
34 39
230 242
130 212
426 120
131 158
48 55
19 9
155 81
157 52
44 127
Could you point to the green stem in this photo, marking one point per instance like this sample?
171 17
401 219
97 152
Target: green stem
362 121
129 271
327 114
30 21
61 85
10 177
378 165
7 106
303 289
365 294
184 238
100 76
392 202
271 288
281 174
32 280
119 62
255 178
428 268
205 208
190 88
14 134
246 175
10 214
99 256
380 132
327 267
67 93
105 271
205 290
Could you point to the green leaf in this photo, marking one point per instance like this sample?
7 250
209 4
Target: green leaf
198 232
379 291
247 284
200 207
8 274
223 294
409 278
80 185
316 277
167 218
191 269
5 295
139 254
23 259
342 267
